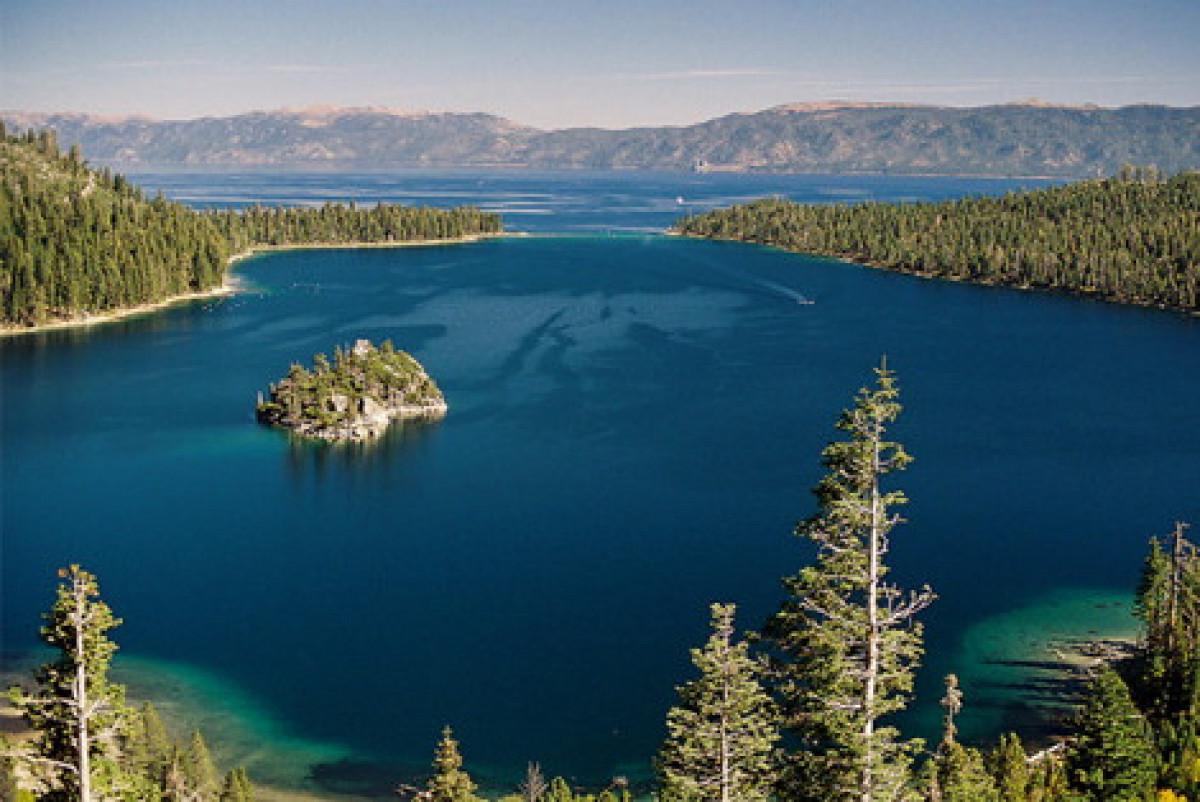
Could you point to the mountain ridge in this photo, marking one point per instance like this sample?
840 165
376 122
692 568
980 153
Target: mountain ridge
1027 137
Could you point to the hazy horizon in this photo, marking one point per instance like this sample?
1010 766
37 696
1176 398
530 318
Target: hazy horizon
330 109
555 65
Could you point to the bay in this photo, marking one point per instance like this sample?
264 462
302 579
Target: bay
635 421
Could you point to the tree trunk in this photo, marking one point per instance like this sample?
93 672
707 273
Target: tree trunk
725 797
84 766
866 778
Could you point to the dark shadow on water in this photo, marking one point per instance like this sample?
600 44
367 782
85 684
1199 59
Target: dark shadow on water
1046 665
316 458
364 779
1040 706
359 779
376 780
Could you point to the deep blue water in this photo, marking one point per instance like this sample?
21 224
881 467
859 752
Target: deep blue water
635 421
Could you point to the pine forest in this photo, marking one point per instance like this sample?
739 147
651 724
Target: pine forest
77 241
1134 238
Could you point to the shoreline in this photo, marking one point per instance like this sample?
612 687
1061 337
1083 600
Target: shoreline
861 261
230 286
257 250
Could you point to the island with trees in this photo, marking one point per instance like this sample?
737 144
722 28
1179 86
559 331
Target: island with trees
78 243
356 397
1134 238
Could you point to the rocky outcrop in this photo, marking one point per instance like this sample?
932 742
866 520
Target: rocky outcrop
356 397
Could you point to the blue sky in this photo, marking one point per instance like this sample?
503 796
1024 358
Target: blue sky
610 63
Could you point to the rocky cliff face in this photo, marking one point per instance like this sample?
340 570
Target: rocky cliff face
1015 139
356 397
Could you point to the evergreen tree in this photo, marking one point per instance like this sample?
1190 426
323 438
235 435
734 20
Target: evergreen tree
957 773
534 787
75 711
952 704
1179 752
237 787
1168 602
1010 768
9 787
449 783
175 786
559 791
148 747
1048 780
1113 755
845 641
200 775
722 733
963 777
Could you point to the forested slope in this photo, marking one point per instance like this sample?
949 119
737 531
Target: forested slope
1134 238
75 241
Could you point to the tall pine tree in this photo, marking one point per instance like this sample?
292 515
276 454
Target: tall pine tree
450 782
1010 768
845 643
1113 756
722 733
76 712
237 787
1168 602
148 750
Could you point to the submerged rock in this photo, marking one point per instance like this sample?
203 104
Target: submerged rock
356 397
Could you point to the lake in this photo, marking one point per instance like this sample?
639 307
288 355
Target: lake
635 423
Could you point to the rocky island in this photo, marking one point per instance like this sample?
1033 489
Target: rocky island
356 397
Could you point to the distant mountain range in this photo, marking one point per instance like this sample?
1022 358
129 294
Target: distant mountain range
1025 139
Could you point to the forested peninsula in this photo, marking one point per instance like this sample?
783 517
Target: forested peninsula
76 242
1134 238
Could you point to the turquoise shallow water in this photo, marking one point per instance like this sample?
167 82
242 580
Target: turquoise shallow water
1013 659
635 422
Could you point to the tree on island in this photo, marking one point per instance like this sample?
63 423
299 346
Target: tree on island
354 398
844 644
722 733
